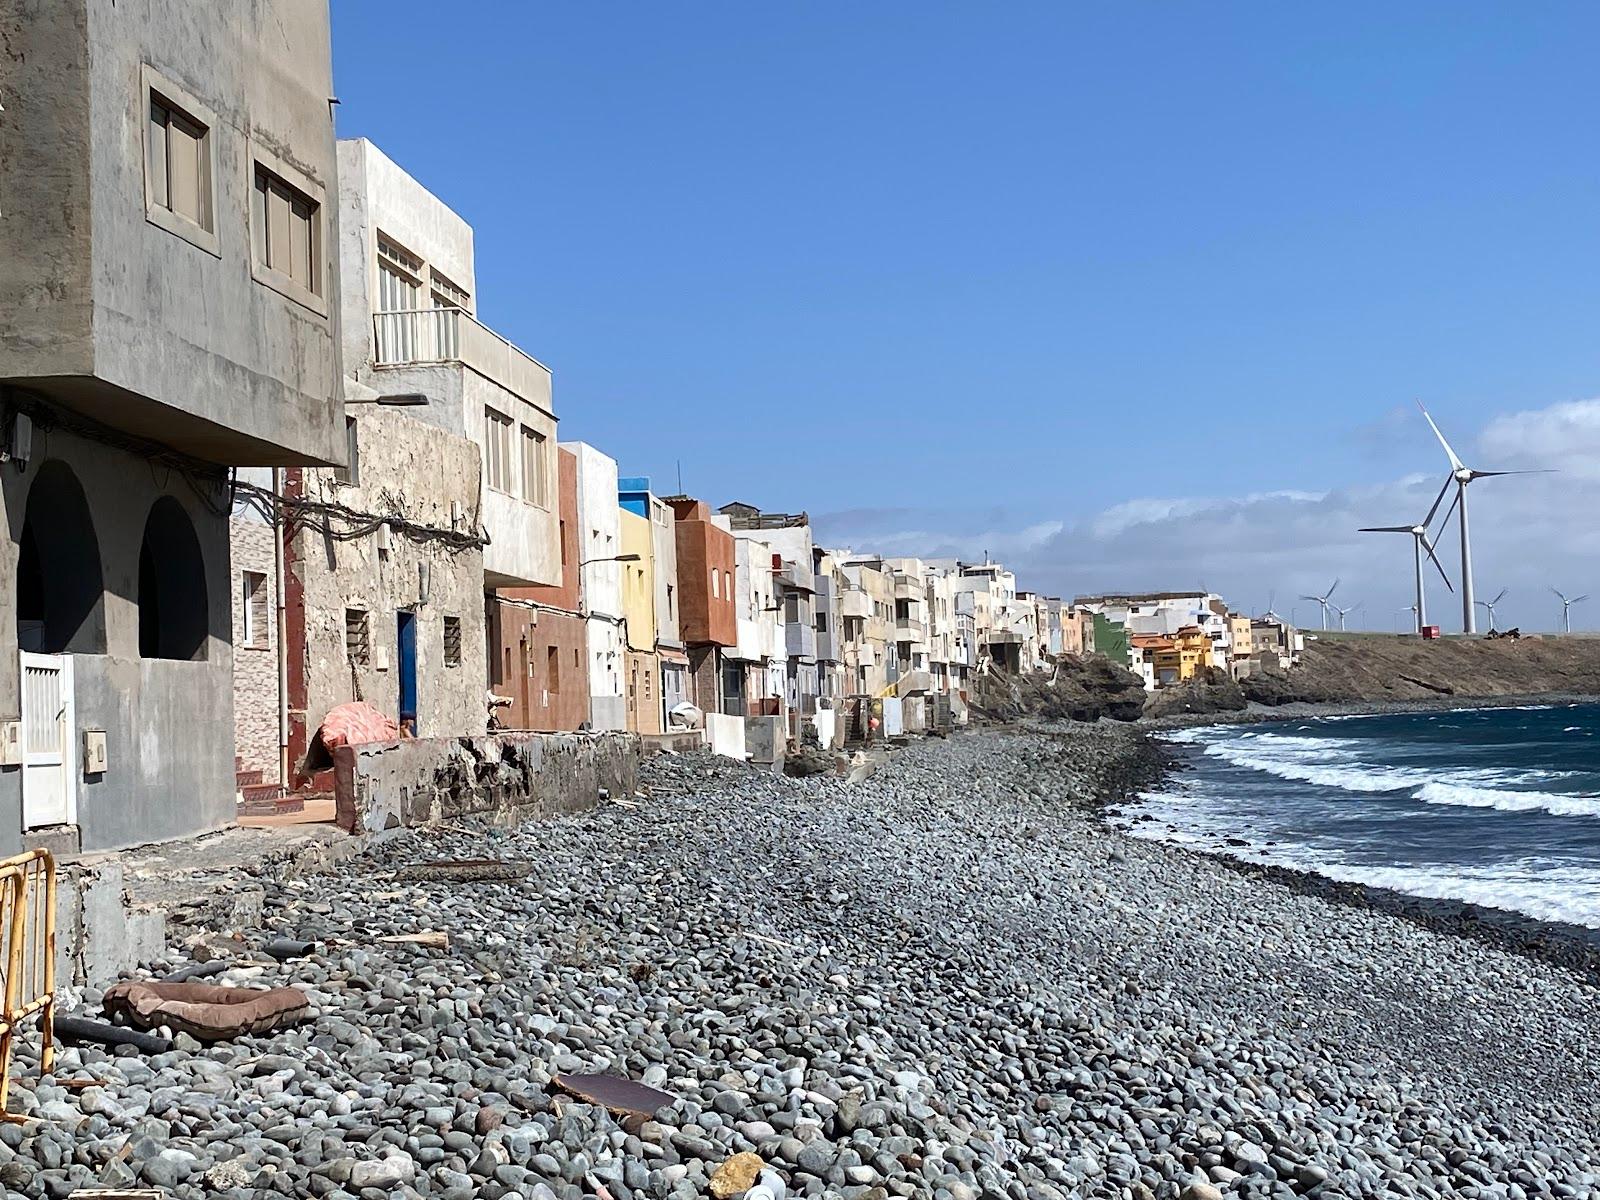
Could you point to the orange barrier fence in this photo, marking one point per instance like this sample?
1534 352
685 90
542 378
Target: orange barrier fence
28 939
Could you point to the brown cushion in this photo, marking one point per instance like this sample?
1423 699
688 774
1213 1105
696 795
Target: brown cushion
203 1010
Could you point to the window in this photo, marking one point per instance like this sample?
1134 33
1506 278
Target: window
821 623
791 607
552 669
357 646
253 606
669 602
448 295
452 641
497 449
179 163
716 590
288 232
350 473
533 468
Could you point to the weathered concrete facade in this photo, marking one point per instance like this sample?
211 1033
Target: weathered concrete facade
152 333
409 327
256 667
508 776
538 649
362 590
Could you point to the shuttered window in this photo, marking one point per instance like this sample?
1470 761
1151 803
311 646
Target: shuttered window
180 163
357 647
452 641
497 449
287 231
534 486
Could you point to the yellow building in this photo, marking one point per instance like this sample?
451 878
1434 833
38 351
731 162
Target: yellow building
1243 644
643 668
1185 655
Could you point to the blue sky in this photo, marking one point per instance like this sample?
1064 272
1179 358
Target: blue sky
960 272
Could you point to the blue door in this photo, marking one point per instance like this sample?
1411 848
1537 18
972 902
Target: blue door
408 671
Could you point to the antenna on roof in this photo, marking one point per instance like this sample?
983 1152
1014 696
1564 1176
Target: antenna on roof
680 477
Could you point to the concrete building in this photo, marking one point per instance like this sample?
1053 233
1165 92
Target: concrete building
787 537
829 583
1167 613
167 177
408 311
600 580
707 610
383 582
755 668
539 653
866 610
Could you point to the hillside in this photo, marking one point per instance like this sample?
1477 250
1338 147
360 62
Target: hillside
1374 667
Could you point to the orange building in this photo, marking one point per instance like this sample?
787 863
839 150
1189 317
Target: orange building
707 620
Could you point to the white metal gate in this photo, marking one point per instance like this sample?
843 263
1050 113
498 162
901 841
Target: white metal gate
49 777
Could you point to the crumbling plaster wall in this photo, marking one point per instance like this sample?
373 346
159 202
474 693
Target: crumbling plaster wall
507 777
406 468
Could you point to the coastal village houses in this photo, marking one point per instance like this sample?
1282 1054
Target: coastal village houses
266 460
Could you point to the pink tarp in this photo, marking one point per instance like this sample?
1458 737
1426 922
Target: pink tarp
356 724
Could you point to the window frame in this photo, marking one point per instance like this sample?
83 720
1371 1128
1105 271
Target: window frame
250 636
452 633
260 158
529 438
495 420
156 86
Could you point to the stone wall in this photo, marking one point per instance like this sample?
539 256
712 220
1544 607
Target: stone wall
255 664
505 777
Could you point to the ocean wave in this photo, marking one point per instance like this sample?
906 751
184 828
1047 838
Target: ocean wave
1468 796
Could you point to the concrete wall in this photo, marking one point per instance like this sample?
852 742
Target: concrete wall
600 539
119 491
644 691
543 667
638 581
116 308
255 666
664 554
408 469
506 777
707 612
725 735
563 595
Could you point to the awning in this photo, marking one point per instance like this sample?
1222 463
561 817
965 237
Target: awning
672 656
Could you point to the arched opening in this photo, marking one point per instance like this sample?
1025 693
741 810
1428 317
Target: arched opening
60 593
172 585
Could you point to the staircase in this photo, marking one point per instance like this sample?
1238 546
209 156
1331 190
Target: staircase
259 799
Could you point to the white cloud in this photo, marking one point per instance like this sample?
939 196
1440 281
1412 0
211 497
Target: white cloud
1529 532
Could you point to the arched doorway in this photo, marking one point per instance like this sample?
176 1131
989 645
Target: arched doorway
60 592
172 585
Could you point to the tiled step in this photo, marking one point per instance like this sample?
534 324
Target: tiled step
244 779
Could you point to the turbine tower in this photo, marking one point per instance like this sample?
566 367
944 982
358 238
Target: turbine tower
1419 543
1566 607
1461 475
1322 601
1489 605
1344 612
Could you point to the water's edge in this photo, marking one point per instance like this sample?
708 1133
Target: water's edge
1575 947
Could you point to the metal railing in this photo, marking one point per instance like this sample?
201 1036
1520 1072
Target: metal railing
419 336
28 930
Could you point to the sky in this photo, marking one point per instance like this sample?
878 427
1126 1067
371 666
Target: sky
1132 296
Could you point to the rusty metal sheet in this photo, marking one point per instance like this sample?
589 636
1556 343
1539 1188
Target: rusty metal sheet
615 1093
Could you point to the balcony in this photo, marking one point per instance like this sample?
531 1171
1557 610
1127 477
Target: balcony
450 335
854 602
907 587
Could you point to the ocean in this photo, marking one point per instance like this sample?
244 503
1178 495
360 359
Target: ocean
1497 806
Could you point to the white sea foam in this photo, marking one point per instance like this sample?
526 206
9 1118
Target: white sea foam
1509 801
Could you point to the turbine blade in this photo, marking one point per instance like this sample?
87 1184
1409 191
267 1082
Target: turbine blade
1563 599
1428 546
1328 595
1445 520
1575 599
1501 596
1455 462
1385 529
1427 521
1533 471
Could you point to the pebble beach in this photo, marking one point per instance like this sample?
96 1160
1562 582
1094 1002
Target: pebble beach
951 979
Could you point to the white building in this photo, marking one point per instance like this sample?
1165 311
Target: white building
760 651
600 584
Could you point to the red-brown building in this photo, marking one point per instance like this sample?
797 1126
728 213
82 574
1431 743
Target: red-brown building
707 620
538 654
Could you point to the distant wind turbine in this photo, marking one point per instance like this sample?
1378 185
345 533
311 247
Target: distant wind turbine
1344 612
1419 543
1461 475
1406 608
1566 607
1489 605
1322 601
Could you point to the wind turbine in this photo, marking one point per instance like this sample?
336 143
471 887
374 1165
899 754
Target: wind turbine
1566 607
1406 608
1419 543
1344 612
1461 475
1489 604
1322 601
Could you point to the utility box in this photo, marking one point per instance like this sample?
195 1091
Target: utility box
1430 633
10 743
94 751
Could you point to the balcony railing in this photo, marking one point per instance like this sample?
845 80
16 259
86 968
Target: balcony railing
451 335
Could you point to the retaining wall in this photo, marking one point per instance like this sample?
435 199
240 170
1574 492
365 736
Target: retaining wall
506 776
